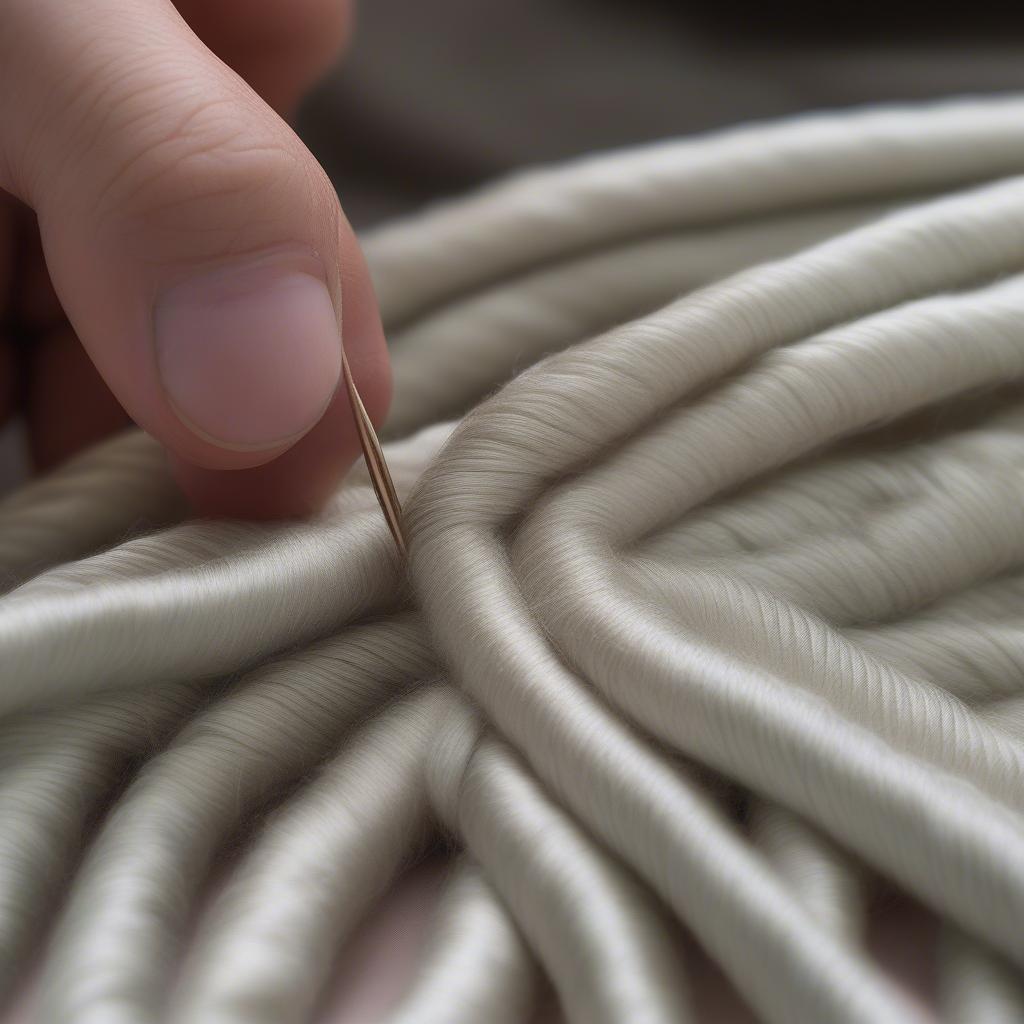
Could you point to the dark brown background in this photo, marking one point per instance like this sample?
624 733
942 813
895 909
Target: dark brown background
438 96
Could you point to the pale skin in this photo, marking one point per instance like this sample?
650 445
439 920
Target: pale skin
171 253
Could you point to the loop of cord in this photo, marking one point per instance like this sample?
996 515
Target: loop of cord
716 627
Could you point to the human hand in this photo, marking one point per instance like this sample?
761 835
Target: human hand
193 247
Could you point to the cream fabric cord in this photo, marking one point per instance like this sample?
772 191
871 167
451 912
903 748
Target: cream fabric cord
476 965
712 621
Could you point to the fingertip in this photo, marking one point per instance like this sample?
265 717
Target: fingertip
180 234
301 480
249 355
294 485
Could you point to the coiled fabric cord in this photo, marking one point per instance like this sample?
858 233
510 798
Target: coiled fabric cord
718 617
476 966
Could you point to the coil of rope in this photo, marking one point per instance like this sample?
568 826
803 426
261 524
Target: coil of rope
713 458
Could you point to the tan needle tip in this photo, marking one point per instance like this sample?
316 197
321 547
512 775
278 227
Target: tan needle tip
375 462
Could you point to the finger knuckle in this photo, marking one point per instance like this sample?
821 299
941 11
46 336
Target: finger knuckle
200 167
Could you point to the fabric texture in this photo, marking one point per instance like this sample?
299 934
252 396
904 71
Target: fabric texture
709 636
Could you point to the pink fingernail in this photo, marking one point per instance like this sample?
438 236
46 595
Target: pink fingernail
249 355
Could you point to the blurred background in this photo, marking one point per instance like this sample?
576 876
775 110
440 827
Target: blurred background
435 98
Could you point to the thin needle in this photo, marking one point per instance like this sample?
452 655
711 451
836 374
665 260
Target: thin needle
379 475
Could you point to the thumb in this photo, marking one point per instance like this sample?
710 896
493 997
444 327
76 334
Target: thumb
197 247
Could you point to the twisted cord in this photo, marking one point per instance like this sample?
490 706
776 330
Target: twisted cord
119 932
766 537
476 965
268 945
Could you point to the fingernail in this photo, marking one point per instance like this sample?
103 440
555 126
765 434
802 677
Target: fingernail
249 356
